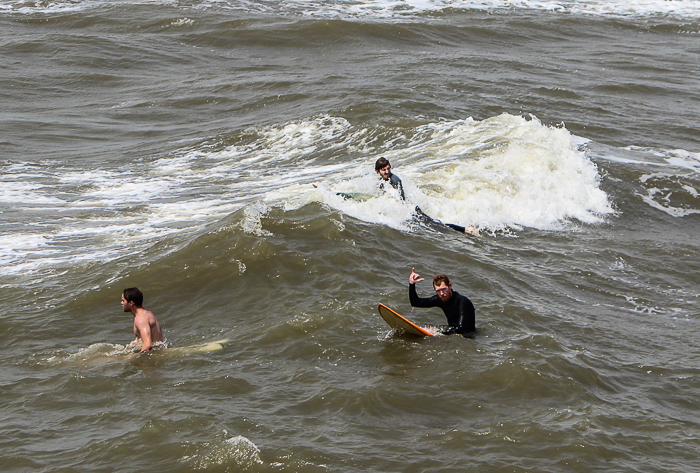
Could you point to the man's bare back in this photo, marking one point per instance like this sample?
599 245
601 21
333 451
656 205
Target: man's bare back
146 327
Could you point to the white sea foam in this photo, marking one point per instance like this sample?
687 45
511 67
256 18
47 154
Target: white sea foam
17 192
381 9
403 9
235 452
392 8
671 158
681 158
503 172
506 171
671 181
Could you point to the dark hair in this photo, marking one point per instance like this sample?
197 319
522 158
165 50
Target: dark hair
381 164
132 294
440 278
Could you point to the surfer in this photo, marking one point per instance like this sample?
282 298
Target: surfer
146 327
383 168
458 309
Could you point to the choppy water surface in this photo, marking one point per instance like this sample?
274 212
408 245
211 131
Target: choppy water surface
195 149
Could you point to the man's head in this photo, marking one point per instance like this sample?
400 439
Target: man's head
383 168
443 287
131 297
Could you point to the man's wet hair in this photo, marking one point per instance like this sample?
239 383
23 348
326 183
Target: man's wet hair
132 294
439 279
381 163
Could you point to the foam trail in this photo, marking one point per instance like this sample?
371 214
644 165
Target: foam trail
671 178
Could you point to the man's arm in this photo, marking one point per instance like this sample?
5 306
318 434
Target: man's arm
145 331
400 189
398 185
413 296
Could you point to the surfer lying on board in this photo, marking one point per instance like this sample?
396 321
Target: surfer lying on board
383 168
146 327
458 309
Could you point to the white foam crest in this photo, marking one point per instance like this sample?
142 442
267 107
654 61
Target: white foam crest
504 172
101 214
13 192
17 245
679 159
381 9
666 207
237 451
100 350
294 141
252 222
675 188
379 209
27 7
403 9
105 186
672 179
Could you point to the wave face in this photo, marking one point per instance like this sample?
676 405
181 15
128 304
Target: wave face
204 151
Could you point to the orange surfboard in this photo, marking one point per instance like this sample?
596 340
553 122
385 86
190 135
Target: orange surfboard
401 323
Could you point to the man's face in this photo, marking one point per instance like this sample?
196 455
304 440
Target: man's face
385 172
444 291
126 305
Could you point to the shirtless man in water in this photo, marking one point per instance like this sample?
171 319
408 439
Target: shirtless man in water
146 327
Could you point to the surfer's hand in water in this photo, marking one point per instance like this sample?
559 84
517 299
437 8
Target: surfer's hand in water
414 277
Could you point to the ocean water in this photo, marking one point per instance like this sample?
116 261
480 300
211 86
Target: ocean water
195 149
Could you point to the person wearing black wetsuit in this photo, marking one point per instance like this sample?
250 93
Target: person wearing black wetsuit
458 309
383 168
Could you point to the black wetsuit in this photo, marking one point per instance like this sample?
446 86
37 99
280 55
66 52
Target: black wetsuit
422 216
459 310
395 183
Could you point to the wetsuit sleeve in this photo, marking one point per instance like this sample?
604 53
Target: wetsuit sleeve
466 322
403 197
420 301
398 185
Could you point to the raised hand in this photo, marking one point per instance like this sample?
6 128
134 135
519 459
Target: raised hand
414 277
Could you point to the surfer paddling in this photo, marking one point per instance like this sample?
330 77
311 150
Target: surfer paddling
458 309
146 327
383 168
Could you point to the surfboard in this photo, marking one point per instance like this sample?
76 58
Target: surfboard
209 346
401 323
205 347
354 196
200 347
